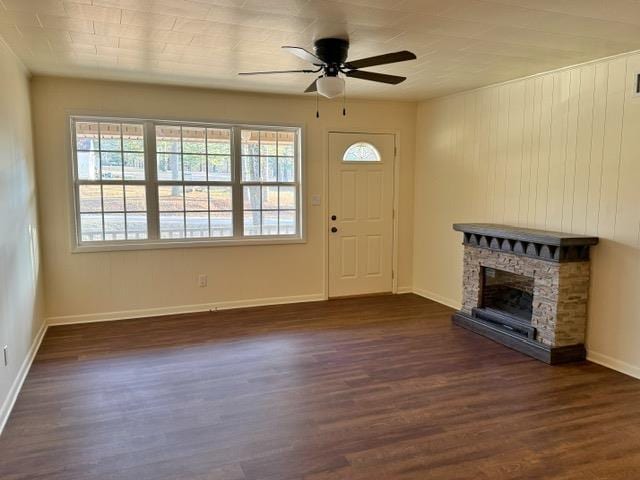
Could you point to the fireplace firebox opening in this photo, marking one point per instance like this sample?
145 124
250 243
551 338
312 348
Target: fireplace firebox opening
507 293
506 301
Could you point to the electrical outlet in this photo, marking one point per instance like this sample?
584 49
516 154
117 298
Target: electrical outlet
6 355
202 281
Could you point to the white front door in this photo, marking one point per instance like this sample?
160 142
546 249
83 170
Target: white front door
360 213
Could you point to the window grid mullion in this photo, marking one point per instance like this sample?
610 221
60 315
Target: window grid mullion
104 234
297 177
260 177
237 201
124 190
111 182
206 156
278 188
121 147
200 183
269 184
206 170
184 190
84 150
151 171
124 208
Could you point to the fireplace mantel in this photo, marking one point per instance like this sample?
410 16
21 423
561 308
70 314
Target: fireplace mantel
551 246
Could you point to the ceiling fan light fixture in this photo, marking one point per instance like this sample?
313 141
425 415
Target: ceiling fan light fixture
330 87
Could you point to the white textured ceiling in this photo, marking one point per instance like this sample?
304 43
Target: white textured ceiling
460 44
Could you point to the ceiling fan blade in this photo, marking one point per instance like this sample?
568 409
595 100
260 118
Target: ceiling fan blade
304 55
394 57
313 87
375 77
276 71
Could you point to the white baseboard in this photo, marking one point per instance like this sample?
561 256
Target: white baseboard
613 363
401 290
438 298
175 310
16 386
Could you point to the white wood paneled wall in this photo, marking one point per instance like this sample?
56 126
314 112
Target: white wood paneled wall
559 151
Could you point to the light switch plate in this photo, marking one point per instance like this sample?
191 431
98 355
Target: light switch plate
316 200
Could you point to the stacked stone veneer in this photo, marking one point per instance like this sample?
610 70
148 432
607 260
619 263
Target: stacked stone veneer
559 294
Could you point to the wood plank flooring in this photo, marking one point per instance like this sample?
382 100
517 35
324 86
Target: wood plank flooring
365 388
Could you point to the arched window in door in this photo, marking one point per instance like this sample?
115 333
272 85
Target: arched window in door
361 152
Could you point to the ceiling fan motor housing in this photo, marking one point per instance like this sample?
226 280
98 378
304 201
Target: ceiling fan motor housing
332 51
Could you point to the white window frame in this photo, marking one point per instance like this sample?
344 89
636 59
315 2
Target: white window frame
151 184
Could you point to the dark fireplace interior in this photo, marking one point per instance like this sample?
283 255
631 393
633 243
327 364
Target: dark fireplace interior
506 301
507 293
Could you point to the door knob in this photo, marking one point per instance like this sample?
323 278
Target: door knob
333 217
334 229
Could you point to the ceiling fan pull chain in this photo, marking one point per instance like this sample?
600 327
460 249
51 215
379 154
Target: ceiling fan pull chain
317 109
344 101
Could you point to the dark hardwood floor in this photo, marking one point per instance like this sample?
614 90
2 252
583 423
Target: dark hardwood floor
370 388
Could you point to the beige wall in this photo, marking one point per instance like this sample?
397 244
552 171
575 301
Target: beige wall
86 286
560 151
20 312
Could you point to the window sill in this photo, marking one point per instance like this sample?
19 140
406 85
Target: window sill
164 244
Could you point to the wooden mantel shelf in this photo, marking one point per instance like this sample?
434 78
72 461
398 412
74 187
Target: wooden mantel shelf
542 244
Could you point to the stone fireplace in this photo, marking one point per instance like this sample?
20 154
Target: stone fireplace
526 289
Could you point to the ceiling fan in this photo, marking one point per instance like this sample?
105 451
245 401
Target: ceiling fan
330 59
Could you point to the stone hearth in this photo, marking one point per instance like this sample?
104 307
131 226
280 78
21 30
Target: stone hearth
558 263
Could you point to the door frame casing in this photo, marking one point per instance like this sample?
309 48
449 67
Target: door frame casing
396 199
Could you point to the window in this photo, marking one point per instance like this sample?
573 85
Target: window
269 189
141 182
361 152
195 189
110 181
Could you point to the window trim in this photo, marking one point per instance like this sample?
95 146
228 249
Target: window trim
151 183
